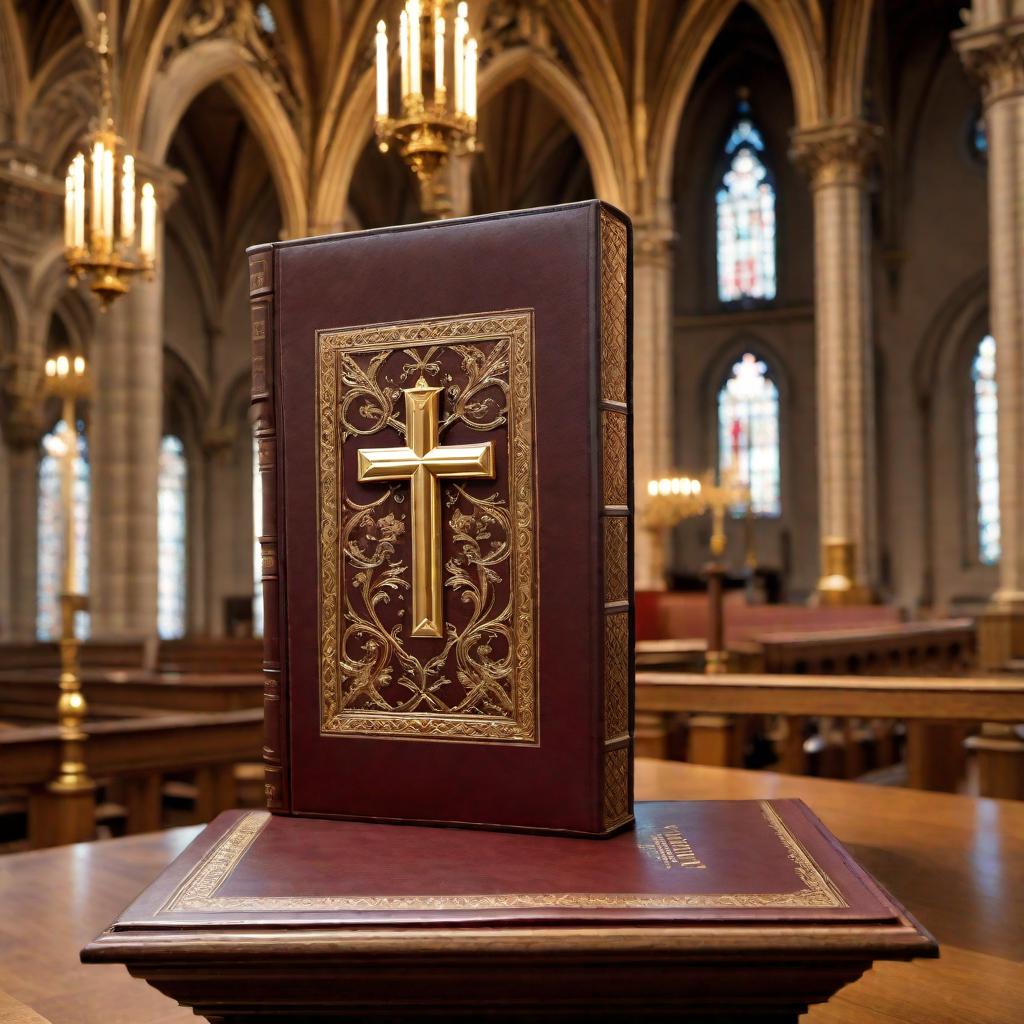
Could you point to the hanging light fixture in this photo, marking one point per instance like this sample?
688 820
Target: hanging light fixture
104 240
426 132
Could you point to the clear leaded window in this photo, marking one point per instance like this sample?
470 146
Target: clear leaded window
745 204
50 527
257 529
172 494
748 432
986 450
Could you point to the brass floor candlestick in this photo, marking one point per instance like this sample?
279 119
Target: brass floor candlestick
70 815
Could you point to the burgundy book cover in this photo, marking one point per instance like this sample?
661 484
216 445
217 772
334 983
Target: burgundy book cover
759 861
443 426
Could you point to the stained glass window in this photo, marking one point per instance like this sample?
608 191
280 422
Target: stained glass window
50 527
172 495
257 529
977 136
748 432
986 450
745 203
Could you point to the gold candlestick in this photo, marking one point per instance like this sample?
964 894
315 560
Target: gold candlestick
66 377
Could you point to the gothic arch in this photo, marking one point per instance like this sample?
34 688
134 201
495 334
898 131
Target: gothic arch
852 35
222 60
571 102
798 35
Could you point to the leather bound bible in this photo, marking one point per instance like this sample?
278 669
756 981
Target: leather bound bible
758 861
443 424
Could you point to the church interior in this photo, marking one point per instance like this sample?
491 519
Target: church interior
827 206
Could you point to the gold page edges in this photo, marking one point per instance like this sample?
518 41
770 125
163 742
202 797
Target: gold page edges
478 681
616 505
199 890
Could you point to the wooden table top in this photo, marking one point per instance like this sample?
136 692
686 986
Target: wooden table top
983 699
956 862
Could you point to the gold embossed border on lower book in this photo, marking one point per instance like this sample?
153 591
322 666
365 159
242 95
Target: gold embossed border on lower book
358 653
199 890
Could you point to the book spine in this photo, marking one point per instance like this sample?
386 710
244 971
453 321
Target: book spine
275 704
616 518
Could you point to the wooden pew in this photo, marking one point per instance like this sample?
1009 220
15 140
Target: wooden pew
211 654
669 615
908 648
108 692
91 653
713 702
141 751
943 647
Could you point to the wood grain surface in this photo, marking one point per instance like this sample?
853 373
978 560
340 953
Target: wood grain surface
957 863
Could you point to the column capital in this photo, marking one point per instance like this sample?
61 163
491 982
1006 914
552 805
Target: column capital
993 53
653 243
836 153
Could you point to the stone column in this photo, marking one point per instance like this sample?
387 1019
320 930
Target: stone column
652 384
836 158
22 501
992 48
124 443
22 430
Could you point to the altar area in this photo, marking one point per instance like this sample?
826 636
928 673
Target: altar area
951 859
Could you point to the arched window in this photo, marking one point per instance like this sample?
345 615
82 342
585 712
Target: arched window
50 533
172 496
257 529
986 461
748 432
745 204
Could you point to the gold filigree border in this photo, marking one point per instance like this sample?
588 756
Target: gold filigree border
198 892
517 327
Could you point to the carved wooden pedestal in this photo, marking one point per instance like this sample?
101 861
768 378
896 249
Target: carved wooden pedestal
710 911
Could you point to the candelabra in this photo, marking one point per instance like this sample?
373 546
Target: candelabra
426 132
673 499
104 241
66 377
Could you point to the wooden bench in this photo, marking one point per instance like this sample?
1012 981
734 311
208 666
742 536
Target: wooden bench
138 751
664 615
27 694
935 710
943 647
211 654
909 648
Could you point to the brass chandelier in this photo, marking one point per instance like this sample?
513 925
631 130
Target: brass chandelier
426 132
104 241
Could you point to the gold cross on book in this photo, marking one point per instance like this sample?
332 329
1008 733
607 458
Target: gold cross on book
423 462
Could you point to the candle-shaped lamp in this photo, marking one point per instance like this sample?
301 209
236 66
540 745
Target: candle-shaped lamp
382 70
78 176
69 210
439 89
128 199
470 86
108 196
96 217
403 53
415 53
147 235
459 42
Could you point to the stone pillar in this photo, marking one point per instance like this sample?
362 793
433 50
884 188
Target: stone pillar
124 443
22 527
992 48
22 430
652 384
836 158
